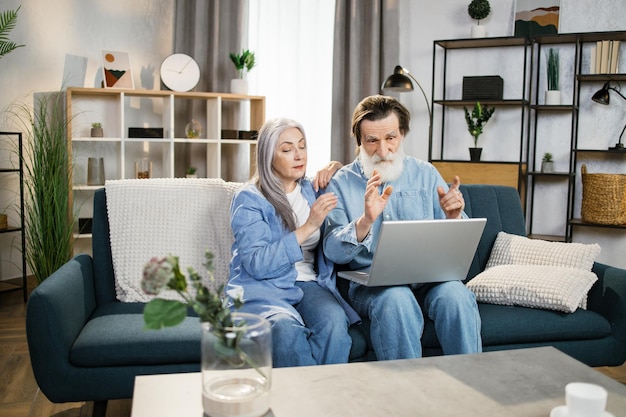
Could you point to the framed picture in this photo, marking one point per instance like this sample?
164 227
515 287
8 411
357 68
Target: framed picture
536 17
116 70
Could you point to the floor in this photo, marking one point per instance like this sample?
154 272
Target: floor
19 394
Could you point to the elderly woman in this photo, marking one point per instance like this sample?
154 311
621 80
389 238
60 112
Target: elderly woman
278 268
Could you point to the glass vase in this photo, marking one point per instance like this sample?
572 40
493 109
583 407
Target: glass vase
237 367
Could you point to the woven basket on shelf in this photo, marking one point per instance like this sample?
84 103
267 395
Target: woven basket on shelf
604 198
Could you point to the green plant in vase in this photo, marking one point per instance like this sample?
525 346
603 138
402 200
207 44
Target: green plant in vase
478 10
243 62
239 343
476 120
547 163
553 95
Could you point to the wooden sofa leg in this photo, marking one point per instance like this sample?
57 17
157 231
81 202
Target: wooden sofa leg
99 408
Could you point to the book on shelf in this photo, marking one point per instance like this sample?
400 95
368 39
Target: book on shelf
605 57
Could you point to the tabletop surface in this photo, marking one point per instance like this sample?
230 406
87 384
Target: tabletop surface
523 382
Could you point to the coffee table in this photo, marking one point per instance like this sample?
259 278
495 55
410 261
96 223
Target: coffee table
524 382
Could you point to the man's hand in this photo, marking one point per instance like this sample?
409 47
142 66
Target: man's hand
324 175
452 202
374 205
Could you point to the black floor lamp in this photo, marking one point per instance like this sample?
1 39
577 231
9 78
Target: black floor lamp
602 96
400 81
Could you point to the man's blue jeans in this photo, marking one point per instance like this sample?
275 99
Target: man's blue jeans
397 320
325 338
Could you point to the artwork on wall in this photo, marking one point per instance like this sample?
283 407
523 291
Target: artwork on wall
116 70
536 17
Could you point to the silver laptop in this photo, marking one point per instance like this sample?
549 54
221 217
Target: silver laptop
421 251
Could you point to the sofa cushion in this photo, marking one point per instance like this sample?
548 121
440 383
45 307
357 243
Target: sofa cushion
503 325
537 286
115 336
536 273
511 249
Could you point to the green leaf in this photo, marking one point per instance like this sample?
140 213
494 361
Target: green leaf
159 313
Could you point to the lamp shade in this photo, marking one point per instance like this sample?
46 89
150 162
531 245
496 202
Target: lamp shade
602 95
398 81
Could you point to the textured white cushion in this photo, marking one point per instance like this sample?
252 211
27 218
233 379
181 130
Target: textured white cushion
161 216
536 273
518 250
537 286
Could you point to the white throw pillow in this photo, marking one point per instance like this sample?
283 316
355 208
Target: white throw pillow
519 250
536 273
537 286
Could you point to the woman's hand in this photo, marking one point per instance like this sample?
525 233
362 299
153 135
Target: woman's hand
319 210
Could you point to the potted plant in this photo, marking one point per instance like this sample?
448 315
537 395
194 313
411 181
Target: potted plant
191 172
236 348
553 95
476 120
96 130
478 10
49 222
547 164
8 19
243 62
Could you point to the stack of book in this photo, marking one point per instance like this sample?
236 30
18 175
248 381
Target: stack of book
605 57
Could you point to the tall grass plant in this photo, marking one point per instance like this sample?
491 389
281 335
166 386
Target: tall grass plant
47 180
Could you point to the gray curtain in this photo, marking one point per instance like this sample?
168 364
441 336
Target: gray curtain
366 50
209 30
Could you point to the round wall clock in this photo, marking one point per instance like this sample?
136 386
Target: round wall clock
180 72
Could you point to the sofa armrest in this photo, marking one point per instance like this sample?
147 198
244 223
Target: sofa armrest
57 311
608 297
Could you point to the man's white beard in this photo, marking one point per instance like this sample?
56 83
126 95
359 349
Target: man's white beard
389 168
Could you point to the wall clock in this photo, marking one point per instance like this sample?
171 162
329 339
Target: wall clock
180 72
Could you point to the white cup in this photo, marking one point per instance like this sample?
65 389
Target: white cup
585 400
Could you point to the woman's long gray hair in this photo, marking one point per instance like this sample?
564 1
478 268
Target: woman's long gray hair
265 178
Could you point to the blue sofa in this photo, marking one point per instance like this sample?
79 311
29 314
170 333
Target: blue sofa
85 345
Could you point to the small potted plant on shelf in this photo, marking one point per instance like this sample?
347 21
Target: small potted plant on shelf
191 172
476 120
478 10
96 130
553 95
243 62
547 164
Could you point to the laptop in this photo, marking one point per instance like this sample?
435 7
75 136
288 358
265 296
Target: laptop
421 251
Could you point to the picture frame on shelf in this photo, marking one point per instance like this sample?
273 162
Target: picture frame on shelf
536 17
116 70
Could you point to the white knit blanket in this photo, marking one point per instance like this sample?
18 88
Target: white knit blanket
156 217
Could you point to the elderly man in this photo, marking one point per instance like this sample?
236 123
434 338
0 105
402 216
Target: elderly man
382 183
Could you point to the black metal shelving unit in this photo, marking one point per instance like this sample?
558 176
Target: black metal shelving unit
8 285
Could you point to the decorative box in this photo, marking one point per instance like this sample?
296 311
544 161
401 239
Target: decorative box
486 87
145 132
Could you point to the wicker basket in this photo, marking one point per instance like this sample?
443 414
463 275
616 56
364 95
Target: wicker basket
604 198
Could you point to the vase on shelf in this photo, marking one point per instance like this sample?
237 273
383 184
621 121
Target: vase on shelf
553 98
478 31
239 86
95 171
475 154
193 129
547 167
237 367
